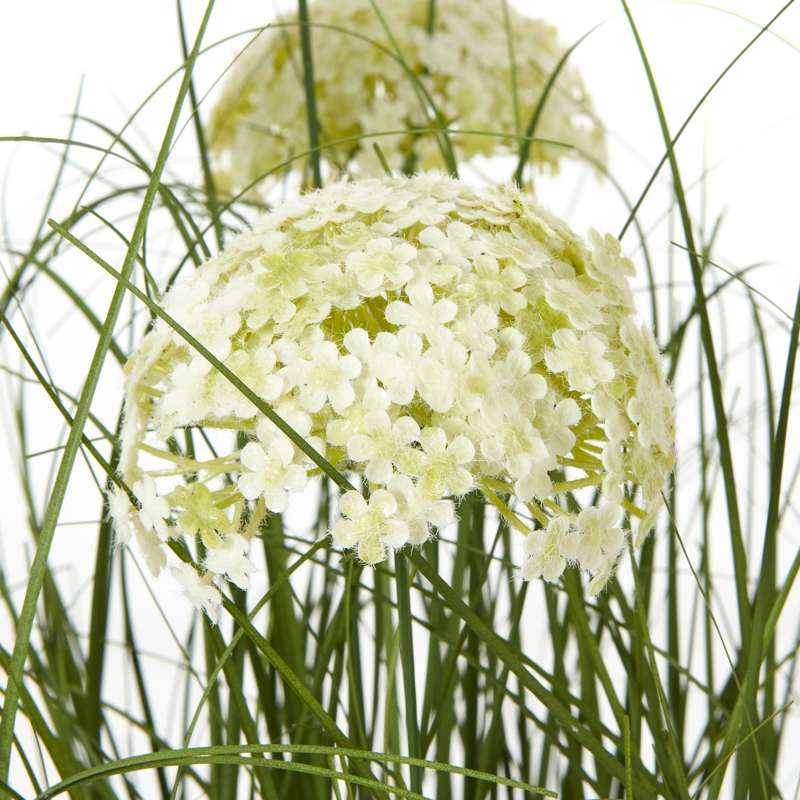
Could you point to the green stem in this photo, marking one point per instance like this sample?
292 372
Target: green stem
407 660
310 92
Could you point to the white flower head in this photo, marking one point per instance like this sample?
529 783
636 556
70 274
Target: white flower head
370 525
154 509
442 339
259 120
423 313
544 551
120 510
230 559
199 590
271 473
581 358
325 375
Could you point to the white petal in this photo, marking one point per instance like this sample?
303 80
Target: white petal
342 396
350 367
282 449
312 399
420 294
251 485
352 504
406 430
295 478
462 450
439 396
276 499
357 342
399 313
444 311
253 457
440 513
396 534
401 390
555 360
433 440
379 471
345 533
360 448
383 501
564 338
460 482
325 352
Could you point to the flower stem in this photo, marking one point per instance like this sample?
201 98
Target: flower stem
407 660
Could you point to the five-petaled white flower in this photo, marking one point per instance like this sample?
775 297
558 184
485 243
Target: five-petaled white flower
420 513
380 442
119 509
454 245
370 525
596 539
439 373
445 464
581 358
325 376
199 590
213 326
498 287
154 509
584 309
427 211
230 558
651 409
544 550
423 315
271 473
382 263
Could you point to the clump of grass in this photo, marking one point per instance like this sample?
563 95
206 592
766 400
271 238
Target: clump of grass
437 674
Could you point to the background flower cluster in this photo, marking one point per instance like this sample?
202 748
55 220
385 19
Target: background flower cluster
389 67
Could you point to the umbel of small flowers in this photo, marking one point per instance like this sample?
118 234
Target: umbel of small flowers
377 73
429 339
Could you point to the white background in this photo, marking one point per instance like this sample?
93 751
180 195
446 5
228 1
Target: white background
746 135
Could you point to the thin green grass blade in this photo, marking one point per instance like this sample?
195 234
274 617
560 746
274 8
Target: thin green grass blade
408 664
310 91
207 754
202 144
533 123
764 598
100 609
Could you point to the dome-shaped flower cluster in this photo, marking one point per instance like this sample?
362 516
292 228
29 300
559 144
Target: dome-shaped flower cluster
479 73
430 339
